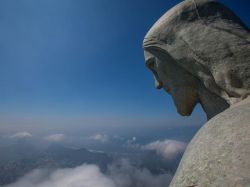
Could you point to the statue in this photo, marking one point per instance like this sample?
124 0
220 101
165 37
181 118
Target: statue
199 52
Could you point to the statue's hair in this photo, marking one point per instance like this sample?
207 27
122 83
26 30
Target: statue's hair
209 41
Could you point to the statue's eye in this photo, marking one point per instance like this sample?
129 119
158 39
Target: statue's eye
150 63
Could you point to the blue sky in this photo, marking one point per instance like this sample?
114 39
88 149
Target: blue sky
75 59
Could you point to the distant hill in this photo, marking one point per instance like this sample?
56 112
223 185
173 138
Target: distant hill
19 159
17 151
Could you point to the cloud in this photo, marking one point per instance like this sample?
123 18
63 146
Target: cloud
21 135
101 137
85 175
55 137
124 174
169 149
120 174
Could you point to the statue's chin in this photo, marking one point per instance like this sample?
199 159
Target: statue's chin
185 100
186 107
185 112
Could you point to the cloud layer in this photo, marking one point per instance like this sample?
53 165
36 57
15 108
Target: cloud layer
101 137
21 135
169 149
124 174
55 137
85 175
120 174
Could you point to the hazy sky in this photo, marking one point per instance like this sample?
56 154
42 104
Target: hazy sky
69 64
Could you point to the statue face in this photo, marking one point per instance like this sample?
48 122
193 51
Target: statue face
181 85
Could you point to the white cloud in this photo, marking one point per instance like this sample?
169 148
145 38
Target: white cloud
124 174
169 149
85 175
55 137
101 137
21 135
119 174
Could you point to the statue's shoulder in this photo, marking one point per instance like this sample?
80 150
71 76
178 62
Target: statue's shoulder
236 114
219 153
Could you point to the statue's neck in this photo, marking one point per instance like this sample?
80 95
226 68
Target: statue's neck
211 103
242 102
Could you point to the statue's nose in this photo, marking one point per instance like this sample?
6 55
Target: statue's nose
158 83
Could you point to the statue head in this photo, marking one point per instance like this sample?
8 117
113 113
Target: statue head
199 52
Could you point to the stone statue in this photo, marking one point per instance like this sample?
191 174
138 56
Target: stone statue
199 52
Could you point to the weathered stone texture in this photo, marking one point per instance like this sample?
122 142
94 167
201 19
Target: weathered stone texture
199 52
219 154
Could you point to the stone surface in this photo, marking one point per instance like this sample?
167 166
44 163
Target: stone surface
199 52
219 154
209 41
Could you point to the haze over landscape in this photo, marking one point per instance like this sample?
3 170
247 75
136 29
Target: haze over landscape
77 104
